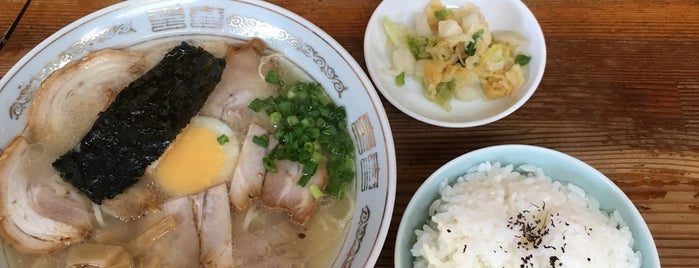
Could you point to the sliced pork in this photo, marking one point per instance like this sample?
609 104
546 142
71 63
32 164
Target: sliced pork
249 173
276 245
212 215
168 238
133 203
280 189
240 84
39 212
69 101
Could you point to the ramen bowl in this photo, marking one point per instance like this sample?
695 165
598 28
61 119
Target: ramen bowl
139 23
558 166
501 15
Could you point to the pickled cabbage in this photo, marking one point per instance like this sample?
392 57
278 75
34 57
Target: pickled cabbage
454 55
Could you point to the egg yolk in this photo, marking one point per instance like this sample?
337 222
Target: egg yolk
192 163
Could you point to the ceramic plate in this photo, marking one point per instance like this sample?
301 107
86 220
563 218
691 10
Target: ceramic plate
134 23
510 15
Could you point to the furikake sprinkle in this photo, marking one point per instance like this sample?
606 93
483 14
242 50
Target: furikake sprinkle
533 227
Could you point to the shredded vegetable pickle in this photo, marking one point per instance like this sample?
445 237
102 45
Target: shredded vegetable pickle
454 55
400 79
418 46
310 128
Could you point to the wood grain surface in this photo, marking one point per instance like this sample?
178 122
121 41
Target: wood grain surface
620 92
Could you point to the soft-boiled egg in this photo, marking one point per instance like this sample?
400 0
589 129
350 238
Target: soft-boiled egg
203 155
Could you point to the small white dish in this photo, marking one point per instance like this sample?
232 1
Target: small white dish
511 15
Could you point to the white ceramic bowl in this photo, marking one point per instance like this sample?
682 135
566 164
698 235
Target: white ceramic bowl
511 15
559 166
135 22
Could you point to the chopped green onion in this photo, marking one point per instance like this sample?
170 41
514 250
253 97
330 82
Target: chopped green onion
522 59
309 146
316 157
272 77
292 120
400 79
304 180
349 162
306 122
309 169
256 105
285 107
291 94
269 165
275 117
316 192
260 140
311 130
223 139
442 14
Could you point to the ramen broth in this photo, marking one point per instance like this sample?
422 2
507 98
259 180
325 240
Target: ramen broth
259 235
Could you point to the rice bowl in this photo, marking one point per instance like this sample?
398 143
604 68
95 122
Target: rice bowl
507 216
560 167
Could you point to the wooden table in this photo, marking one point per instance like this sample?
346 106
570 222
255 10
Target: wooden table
620 92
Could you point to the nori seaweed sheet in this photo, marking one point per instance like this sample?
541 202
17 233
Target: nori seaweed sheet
140 123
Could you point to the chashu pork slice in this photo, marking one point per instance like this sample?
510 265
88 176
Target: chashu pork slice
135 202
168 238
276 245
212 216
249 173
240 84
281 191
39 212
69 101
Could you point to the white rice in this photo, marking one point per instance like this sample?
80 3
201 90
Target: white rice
479 222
